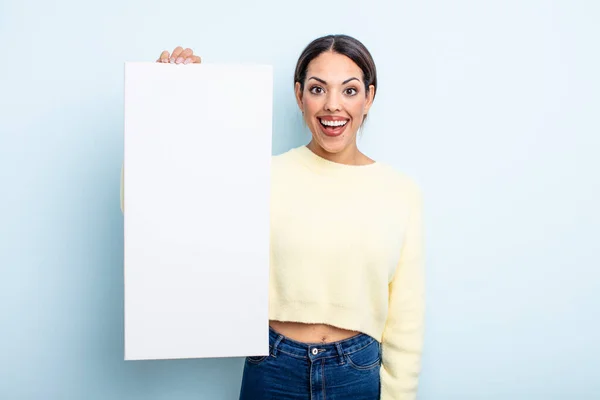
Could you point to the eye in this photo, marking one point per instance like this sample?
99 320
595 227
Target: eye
316 90
350 91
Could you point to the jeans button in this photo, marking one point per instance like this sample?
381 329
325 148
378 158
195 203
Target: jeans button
314 352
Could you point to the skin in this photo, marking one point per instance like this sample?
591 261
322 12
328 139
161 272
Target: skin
334 89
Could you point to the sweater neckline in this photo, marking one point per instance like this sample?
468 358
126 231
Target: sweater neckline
321 164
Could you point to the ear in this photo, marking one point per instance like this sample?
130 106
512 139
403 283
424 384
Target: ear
298 93
370 97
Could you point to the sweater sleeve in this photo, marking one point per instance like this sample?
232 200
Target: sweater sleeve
402 339
122 208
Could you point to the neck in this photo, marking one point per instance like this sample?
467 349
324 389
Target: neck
349 156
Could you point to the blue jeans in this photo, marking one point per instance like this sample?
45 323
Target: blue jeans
343 370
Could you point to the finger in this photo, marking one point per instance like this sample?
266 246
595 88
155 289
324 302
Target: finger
183 55
193 59
164 57
176 54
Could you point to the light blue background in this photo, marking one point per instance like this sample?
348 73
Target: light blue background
492 107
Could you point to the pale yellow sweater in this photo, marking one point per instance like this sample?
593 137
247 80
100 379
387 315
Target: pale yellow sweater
347 250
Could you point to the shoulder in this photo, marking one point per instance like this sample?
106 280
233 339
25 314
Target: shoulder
285 162
284 157
401 181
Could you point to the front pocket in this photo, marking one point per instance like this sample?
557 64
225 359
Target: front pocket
256 359
259 359
366 358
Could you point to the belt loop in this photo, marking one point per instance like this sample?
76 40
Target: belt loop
276 344
338 347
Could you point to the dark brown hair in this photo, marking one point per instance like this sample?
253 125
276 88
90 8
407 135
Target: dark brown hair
341 44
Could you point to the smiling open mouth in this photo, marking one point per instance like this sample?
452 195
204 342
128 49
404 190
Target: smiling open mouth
333 124
333 127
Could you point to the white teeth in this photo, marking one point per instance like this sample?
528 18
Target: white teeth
333 123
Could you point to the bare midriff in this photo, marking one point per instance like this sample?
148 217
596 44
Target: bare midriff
311 333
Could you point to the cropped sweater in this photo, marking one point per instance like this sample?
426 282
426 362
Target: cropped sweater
347 250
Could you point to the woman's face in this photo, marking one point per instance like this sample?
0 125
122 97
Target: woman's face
334 101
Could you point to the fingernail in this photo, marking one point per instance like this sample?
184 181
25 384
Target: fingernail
179 60
172 60
187 61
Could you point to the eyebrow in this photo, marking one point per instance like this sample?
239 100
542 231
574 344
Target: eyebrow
325 83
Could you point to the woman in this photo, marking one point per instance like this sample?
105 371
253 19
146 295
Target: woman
346 292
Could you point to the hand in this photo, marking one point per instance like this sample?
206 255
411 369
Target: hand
179 56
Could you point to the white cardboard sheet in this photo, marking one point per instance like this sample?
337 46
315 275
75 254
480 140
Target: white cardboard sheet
197 159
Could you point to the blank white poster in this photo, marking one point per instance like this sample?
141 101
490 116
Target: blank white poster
197 160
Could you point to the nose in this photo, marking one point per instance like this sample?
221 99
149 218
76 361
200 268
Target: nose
332 103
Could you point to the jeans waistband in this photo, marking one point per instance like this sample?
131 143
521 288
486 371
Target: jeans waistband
314 351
